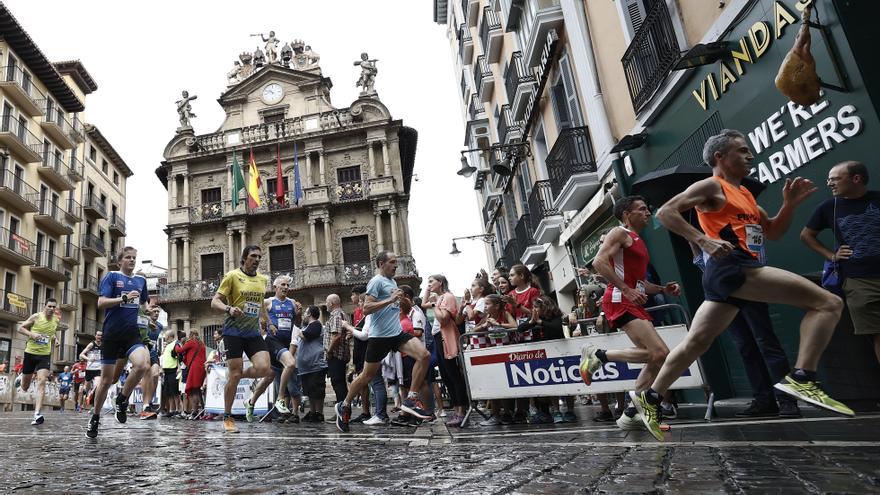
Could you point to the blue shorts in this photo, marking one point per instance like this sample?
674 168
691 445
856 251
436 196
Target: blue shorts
724 276
119 346
64 391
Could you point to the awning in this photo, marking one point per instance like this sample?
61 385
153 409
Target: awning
660 186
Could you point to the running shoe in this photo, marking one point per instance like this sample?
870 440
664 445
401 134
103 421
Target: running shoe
520 416
293 418
540 418
590 363
558 418
121 408
416 408
789 409
810 391
343 415
377 421
229 424
492 421
627 423
668 410
360 419
569 417
92 432
281 406
506 418
38 419
757 410
455 421
650 413
249 411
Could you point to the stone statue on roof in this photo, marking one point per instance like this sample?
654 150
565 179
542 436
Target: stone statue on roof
271 47
184 109
368 74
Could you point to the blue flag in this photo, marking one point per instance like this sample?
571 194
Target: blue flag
297 183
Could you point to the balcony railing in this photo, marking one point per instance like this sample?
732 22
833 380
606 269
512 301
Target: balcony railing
507 126
55 116
26 143
92 202
482 74
350 191
465 43
49 261
510 253
491 24
55 212
69 298
75 171
489 209
476 108
17 244
650 56
93 242
90 284
29 94
525 236
541 203
74 209
117 224
76 130
55 162
517 73
572 154
71 251
16 184
15 305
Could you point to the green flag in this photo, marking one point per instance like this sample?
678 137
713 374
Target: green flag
237 180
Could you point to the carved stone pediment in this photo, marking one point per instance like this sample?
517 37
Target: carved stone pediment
279 234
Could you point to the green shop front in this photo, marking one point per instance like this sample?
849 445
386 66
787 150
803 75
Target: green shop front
788 140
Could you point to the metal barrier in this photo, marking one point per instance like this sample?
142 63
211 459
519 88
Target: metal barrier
550 368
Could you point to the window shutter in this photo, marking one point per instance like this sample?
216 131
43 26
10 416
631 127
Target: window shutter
634 14
574 108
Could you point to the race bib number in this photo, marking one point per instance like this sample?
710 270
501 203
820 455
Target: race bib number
143 321
520 321
251 308
42 339
755 240
640 286
285 324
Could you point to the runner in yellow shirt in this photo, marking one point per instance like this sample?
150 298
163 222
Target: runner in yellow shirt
40 330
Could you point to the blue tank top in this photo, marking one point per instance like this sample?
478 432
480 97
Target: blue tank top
281 314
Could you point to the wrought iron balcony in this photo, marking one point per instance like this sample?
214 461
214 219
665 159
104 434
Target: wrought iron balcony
93 245
116 225
15 248
70 253
90 286
94 207
572 154
77 133
476 108
542 214
525 236
350 191
16 193
49 265
112 262
53 218
490 208
491 35
75 170
519 81
650 56
14 307
511 250
483 78
19 87
54 171
73 210
69 299
56 125
508 128
15 135
465 44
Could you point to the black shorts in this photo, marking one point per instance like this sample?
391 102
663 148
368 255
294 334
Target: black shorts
725 275
91 374
238 346
119 347
154 360
379 347
276 349
64 391
77 386
623 319
170 385
34 362
314 384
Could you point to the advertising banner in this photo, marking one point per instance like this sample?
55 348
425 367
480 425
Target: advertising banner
216 382
551 368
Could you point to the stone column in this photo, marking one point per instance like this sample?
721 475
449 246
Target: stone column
385 162
186 272
328 241
173 267
380 246
395 244
242 233
186 190
308 171
404 237
172 188
230 258
371 159
322 180
313 243
186 327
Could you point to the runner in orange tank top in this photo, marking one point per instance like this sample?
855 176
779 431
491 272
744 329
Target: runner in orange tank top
735 229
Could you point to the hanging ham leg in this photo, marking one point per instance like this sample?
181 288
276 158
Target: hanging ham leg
797 78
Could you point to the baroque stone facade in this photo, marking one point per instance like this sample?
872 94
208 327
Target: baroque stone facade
355 167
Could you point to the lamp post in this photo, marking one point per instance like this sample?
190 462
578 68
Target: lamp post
488 238
509 153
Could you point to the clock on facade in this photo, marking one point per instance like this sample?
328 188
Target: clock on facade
272 93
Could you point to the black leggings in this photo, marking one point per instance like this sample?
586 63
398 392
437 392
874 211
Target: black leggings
455 384
336 369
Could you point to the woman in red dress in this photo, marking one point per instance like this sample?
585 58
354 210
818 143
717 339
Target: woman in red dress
192 353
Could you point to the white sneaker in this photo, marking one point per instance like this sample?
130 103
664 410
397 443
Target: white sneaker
376 421
492 421
38 419
627 423
281 407
443 413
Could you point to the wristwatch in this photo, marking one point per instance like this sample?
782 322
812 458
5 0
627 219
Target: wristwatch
124 299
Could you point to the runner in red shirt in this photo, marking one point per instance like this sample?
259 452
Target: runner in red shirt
79 377
623 261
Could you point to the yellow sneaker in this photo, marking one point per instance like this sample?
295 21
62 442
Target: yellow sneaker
649 412
590 363
812 393
229 425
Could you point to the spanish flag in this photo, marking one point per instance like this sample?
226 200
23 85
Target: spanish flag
255 184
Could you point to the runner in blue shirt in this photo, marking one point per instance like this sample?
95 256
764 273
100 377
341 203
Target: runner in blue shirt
123 295
65 380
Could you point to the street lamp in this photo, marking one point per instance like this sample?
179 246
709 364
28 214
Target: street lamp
488 238
510 153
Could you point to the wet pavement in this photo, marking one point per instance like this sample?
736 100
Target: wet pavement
815 454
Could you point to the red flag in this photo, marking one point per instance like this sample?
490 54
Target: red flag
279 184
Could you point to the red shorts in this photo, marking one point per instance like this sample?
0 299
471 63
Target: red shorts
619 314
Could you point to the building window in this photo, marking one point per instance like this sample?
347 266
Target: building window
281 258
348 174
93 154
212 266
356 249
208 335
565 100
272 184
104 167
115 178
211 195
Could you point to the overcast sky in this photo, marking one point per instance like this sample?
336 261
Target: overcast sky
142 54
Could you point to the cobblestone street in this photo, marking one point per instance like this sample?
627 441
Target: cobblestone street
813 455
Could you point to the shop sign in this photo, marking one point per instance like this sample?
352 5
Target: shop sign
812 137
751 47
590 245
542 72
